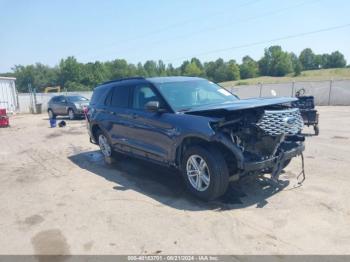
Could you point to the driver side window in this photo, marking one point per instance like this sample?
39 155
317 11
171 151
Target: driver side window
142 95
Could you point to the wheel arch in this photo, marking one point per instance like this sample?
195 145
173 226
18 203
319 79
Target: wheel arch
233 156
94 129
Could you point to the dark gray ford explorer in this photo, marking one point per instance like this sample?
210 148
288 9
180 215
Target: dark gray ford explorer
196 126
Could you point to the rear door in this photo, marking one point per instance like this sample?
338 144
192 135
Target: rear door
62 105
58 105
117 108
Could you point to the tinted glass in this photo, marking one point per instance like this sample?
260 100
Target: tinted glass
142 95
54 99
99 94
190 94
120 96
77 98
60 99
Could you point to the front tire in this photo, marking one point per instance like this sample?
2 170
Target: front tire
205 172
71 114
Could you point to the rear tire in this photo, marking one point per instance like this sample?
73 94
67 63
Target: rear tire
209 166
105 146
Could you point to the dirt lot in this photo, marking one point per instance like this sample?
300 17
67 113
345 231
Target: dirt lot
58 196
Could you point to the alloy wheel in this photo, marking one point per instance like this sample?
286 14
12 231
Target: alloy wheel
104 146
71 114
198 172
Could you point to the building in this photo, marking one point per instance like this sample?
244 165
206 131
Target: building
8 94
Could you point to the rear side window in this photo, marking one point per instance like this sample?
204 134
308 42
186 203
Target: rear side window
57 99
120 96
99 95
54 99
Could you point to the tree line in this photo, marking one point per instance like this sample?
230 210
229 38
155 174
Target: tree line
75 76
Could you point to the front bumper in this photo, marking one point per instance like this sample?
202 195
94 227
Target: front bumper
268 164
79 112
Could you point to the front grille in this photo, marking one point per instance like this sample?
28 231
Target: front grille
288 122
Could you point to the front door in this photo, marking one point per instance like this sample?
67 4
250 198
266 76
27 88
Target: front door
151 133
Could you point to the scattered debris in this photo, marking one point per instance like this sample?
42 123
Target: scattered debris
62 123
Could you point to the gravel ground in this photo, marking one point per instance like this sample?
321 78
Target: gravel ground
59 197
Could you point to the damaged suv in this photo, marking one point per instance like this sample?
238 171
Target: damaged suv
196 126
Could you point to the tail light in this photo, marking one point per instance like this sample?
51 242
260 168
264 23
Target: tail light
86 112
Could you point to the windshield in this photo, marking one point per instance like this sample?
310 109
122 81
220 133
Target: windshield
77 98
186 95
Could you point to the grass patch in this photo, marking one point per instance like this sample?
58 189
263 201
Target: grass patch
310 75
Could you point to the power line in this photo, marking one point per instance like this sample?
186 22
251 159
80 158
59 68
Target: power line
273 12
266 14
262 42
174 25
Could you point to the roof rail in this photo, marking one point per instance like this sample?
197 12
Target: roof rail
122 79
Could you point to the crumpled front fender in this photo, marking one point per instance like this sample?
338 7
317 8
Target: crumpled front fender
236 151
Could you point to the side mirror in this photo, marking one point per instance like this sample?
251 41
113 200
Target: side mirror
153 106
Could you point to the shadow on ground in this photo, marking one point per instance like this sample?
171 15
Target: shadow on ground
165 185
66 118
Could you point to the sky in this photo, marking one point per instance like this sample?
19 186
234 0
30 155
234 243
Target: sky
138 30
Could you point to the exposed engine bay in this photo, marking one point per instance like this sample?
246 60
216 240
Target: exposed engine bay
263 135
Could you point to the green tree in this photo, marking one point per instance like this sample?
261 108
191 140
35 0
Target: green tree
192 69
38 76
297 67
307 59
249 68
117 69
161 68
140 71
183 66
209 69
93 74
232 71
198 63
172 71
151 68
336 60
325 61
70 71
275 62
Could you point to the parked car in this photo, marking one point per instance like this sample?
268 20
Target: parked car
71 106
196 126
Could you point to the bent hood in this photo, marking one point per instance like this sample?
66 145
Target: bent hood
243 104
